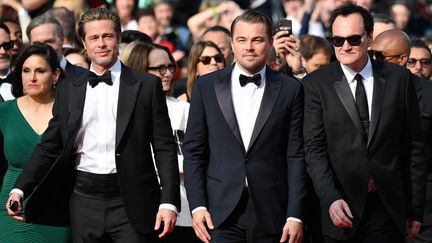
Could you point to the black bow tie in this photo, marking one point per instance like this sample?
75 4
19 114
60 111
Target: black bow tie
256 79
94 79
4 80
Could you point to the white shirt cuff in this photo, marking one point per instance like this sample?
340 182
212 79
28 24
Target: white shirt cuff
169 206
295 220
16 190
198 209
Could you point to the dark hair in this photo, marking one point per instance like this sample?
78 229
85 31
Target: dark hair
45 19
144 12
311 45
95 14
8 20
5 28
417 43
66 19
254 17
351 8
217 28
128 36
382 18
193 60
43 50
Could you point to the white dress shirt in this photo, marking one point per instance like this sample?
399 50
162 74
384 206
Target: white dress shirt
246 102
63 63
95 141
6 89
368 80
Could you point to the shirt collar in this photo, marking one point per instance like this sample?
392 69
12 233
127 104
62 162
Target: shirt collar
366 72
8 72
63 63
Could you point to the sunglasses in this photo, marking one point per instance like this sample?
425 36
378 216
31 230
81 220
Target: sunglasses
207 59
7 45
423 62
353 40
163 68
379 55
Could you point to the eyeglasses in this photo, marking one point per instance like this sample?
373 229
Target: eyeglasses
353 40
423 62
7 45
207 59
163 68
379 55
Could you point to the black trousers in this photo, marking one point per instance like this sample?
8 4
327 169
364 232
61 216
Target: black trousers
98 214
376 225
242 226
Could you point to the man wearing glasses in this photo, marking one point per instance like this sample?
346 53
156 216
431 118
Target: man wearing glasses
397 41
361 115
6 46
419 62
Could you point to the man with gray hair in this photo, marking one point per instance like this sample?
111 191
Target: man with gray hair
48 30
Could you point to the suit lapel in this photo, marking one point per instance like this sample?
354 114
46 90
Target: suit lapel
346 97
224 97
77 93
377 98
128 92
270 95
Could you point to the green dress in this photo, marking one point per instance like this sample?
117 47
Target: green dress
19 142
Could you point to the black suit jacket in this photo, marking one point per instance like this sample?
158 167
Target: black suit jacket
142 119
216 162
424 96
72 70
339 163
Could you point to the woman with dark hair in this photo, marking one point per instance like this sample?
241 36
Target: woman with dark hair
204 57
126 11
22 124
157 60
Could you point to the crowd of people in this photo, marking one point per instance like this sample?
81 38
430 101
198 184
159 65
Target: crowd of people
203 121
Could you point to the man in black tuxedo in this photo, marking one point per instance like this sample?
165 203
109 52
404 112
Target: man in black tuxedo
96 151
363 142
47 29
244 165
6 46
394 46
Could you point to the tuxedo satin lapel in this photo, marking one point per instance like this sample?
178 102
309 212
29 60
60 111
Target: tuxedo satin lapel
345 95
224 97
129 88
377 98
270 95
77 91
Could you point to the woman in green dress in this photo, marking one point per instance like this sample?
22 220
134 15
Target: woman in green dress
22 124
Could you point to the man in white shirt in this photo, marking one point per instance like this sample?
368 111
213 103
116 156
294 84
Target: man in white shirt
244 165
96 151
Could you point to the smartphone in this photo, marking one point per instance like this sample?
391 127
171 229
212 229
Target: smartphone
284 25
14 206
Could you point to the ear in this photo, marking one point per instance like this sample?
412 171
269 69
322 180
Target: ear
403 59
83 42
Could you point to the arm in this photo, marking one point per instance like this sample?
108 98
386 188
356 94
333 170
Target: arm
165 154
296 173
196 160
317 162
31 5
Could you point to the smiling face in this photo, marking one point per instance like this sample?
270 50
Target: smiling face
5 55
251 46
213 65
37 77
101 43
355 57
